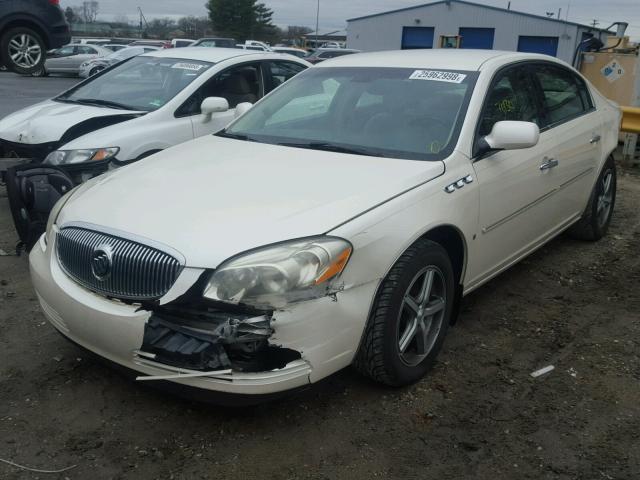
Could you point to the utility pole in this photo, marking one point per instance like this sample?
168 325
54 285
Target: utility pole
317 22
595 23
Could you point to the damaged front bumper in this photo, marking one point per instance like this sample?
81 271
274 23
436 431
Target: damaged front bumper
155 346
180 342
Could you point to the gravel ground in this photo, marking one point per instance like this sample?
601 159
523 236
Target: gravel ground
478 415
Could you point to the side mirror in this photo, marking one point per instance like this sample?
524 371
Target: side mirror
242 108
211 105
510 135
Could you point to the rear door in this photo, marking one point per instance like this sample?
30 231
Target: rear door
61 62
573 124
516 196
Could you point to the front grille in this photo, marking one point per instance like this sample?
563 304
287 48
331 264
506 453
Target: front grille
25 150
114 266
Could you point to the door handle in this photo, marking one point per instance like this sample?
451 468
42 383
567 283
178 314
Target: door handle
548 164
595 139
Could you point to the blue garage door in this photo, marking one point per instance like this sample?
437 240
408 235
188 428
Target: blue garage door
546 45
477 37
417 37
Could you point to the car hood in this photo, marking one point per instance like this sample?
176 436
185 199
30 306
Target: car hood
213 198
49 121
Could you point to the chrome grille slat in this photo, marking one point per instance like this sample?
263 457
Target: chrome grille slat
138 271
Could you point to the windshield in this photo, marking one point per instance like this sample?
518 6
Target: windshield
142 83
387 112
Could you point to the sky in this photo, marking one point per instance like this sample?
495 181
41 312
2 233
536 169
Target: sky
334 13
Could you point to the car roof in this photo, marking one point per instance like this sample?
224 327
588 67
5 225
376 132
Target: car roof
442 58
202 54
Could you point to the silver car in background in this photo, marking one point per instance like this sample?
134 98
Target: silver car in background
93 66
69 58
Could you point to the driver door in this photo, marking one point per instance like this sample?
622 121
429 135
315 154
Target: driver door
238 84
516 192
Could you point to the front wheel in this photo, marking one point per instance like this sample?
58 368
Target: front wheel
596 219
410 317
22 50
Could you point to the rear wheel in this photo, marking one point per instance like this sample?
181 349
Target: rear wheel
596 219
410 317
22 50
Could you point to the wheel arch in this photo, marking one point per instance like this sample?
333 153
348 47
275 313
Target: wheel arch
26 21
453 241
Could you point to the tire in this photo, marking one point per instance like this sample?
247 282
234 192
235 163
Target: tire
596 218
40 73
387 353
93 72
14 42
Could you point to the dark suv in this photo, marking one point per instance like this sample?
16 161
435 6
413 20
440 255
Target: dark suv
28 28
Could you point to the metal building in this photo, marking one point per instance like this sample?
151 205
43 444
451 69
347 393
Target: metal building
476 25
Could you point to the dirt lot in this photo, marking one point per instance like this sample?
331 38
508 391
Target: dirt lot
478 415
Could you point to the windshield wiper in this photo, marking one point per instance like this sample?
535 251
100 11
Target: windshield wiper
235 136
102 103
331 147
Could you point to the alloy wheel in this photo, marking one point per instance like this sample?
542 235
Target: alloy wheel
25 51
605 199
421 315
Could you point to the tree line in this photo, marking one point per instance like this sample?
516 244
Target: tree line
239 19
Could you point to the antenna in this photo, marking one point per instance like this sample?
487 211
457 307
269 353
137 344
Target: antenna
142 19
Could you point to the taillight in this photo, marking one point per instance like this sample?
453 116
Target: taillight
55 2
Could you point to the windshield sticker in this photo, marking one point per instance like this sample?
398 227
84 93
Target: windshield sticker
194 67
437 76
156 102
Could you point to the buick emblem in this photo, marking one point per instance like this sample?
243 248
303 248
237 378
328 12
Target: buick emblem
101 262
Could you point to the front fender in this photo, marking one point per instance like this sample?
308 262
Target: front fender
394 226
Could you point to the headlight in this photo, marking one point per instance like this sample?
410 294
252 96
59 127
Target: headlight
66 157
276 276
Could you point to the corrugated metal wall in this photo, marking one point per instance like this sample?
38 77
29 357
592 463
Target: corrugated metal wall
384 32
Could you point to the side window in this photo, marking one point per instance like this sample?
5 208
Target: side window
84 50
565 95
238 84
283 71
510 98
66 51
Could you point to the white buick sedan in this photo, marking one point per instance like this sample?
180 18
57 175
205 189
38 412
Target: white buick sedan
338 222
